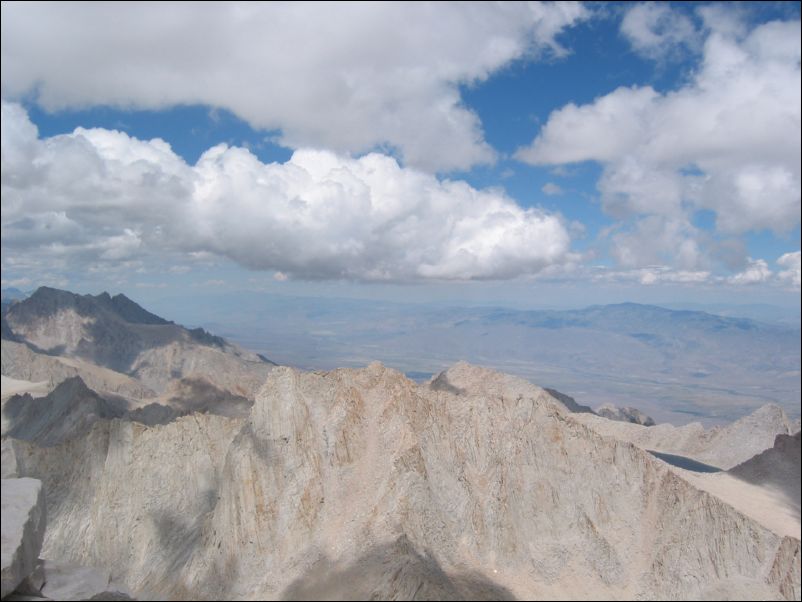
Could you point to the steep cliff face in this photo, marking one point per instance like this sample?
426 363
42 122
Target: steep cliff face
360 482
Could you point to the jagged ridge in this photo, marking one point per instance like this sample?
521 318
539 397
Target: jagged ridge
116 333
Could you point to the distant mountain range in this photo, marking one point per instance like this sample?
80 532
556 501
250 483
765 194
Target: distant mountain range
675 365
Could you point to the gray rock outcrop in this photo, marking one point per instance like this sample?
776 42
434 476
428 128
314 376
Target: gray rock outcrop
625 414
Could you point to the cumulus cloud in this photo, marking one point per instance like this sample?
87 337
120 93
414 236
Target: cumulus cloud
102 197
347 77
757 271
790 276
656 30
728 141
656 240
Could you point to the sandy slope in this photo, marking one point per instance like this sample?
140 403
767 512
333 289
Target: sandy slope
767 505
721 446
11 386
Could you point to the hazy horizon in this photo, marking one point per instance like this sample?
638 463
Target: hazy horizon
677 366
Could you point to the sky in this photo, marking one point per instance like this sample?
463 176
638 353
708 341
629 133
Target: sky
528 154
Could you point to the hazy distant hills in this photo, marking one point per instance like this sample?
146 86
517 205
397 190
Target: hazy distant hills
11 294
762 312
675 365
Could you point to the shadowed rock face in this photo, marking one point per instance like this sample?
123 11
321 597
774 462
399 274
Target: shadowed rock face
778 467
569 402
415 577
19 361
361 483
5 330
68 411
440 383
116 333
685 463
72 408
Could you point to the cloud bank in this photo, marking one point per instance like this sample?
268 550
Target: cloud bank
96 197
728 142
345 76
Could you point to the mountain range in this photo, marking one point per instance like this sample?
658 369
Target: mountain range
364 484
118 347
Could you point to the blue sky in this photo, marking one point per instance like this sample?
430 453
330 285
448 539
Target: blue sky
530 154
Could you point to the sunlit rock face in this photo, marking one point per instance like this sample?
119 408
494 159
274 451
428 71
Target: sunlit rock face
361 483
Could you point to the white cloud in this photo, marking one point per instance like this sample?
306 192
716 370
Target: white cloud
101 197
649 275
657 240
790 276
551 189
656 30
602 131
728 141
663 274
756 271
349 77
